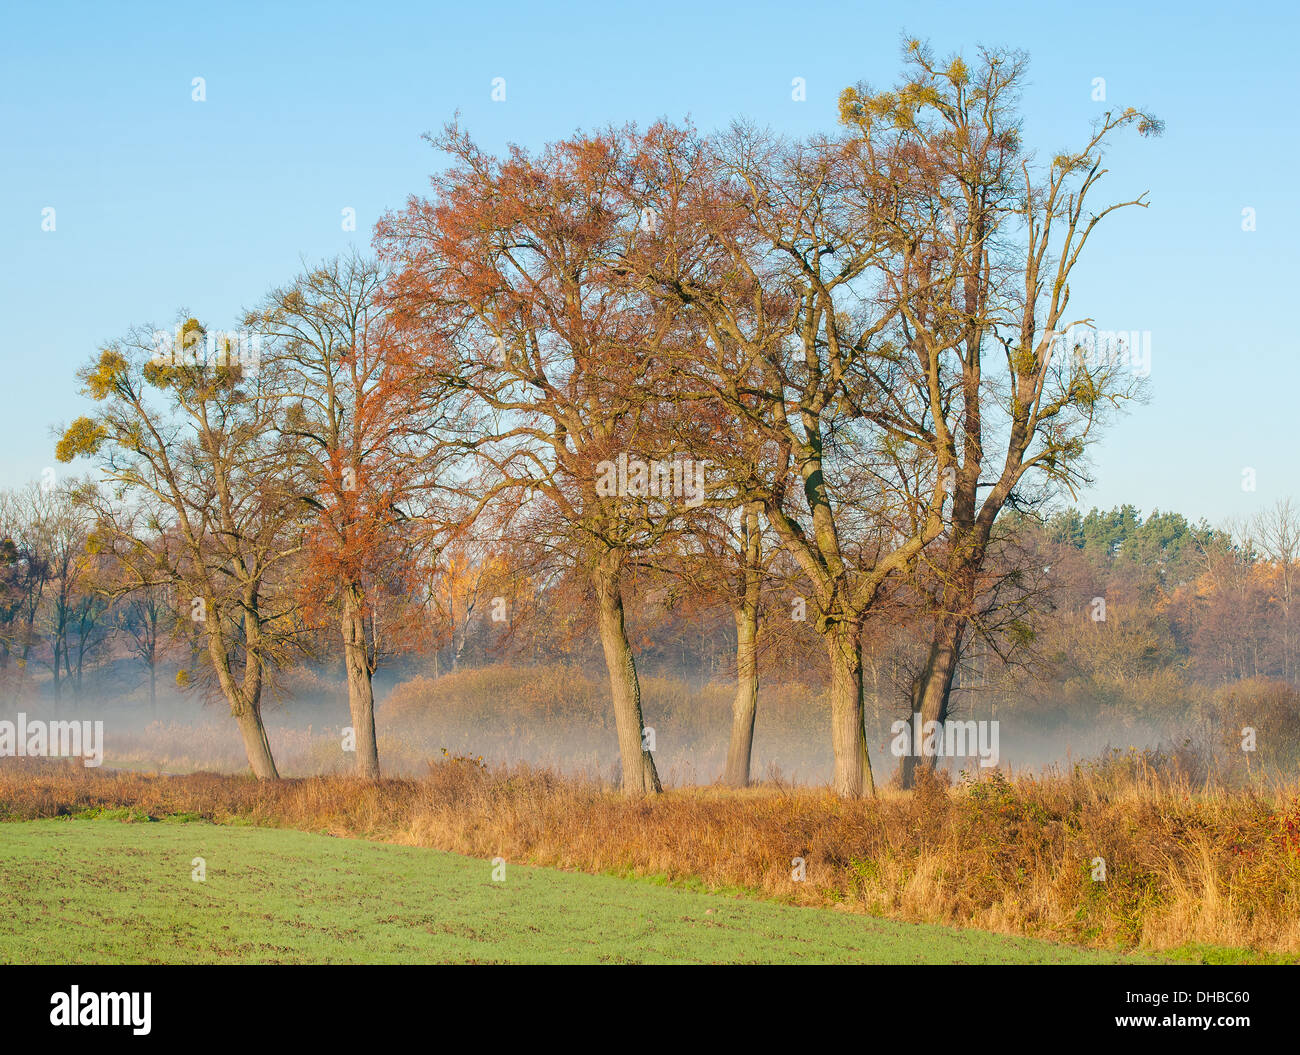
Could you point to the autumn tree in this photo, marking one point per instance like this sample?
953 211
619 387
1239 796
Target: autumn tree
510 267
360 425
25 574
467 579
68 617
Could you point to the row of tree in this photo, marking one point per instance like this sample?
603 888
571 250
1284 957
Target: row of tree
1122 602
53 609
69 610
734 359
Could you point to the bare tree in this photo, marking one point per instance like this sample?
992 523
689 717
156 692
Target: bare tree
989 245
145 618
1277 531
774 254
187 435
69 619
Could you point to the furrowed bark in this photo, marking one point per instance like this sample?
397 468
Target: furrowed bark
853 778
361 692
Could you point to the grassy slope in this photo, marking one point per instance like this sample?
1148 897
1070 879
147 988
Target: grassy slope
90 891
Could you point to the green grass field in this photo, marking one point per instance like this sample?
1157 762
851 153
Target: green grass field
105 891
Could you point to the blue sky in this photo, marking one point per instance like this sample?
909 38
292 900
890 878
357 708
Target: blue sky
163 202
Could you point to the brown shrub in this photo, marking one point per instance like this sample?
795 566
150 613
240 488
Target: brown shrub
1270 708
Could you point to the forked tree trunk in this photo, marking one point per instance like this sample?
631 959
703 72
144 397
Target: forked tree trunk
853 777
745 706
932 692
245 699
639 774
361 691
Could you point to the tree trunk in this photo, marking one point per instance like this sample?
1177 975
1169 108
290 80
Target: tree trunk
932 691
740 749
256 745
853 777
245 699
639 774
361 692
745 706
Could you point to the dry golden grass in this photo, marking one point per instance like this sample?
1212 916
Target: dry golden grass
1183 864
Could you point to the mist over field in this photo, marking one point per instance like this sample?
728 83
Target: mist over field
556 718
